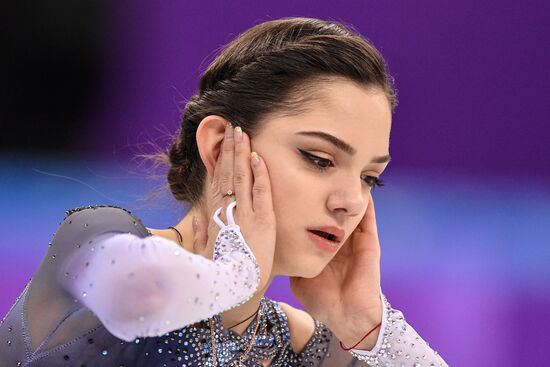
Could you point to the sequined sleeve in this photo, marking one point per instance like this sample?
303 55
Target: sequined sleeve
149 286
398 344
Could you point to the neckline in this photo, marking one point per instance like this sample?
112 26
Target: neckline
178 233
280 318
271 343
268 306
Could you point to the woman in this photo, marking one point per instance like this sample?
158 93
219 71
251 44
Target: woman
277 155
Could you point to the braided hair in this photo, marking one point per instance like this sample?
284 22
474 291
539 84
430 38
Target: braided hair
273 68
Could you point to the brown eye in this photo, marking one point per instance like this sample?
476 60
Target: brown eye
317 162
322 164
373 181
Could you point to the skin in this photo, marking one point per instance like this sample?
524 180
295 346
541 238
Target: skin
340 289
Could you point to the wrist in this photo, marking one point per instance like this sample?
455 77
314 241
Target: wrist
365 342
353 332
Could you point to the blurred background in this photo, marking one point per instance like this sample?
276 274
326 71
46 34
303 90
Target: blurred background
464 216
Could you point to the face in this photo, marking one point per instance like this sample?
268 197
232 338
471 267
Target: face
316 183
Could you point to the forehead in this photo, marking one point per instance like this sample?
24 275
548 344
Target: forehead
356 114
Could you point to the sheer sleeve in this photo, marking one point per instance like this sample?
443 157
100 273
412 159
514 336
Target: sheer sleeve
141 287
45 317
398 344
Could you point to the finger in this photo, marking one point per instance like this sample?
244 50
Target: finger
261 189
368 224
223 178
242 173
227 160
216 176
368 230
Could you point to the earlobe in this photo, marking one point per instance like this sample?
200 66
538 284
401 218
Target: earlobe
210 134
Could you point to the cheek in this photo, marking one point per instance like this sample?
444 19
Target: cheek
292 188
292 195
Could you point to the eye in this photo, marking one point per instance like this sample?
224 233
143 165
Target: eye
322 164
373 181
317 162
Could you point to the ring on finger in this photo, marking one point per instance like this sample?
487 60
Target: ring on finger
229 193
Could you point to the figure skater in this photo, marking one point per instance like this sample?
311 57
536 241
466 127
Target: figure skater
278 153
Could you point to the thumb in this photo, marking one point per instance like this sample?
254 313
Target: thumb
200 234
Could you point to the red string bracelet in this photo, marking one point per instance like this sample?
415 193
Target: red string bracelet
374 328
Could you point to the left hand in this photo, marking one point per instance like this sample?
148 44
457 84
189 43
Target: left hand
345 296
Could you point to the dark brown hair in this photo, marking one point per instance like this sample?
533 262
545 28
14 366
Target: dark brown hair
269 69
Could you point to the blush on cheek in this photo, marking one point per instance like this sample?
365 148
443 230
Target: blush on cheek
287 186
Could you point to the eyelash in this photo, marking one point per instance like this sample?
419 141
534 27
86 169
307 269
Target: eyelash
317 163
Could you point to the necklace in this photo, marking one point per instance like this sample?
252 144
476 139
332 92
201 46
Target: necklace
180 240
242 356
180 237
258 314
248 318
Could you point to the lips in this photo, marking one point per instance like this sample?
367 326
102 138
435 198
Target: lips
330 233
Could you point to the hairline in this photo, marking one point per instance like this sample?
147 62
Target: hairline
308 95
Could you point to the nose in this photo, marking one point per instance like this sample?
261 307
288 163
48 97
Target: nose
347 197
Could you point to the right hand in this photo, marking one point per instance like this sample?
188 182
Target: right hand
235 170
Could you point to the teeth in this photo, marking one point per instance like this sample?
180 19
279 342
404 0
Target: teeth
328 236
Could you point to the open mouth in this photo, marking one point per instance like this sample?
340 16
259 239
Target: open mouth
325 235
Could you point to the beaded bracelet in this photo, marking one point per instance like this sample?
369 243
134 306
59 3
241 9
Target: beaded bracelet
374 328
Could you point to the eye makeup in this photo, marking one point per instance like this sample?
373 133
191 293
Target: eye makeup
323 164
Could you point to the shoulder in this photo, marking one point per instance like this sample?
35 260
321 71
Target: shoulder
89 209
100 218
301 325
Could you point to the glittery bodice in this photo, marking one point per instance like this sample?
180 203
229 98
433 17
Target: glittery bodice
188 346
59 323
75 336
191 345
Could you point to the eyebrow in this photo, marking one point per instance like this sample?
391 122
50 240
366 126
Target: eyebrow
342 145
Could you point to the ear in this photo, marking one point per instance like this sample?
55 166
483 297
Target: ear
210 134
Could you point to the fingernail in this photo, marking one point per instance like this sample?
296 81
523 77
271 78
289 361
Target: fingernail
194 223
238 134
228 132
255 159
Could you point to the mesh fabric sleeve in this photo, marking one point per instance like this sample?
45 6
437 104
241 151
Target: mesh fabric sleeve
141 287
45 317
398 344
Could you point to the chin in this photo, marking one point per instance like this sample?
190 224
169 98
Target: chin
303 261
305 269
312 274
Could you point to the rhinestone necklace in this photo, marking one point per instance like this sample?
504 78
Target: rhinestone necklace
239 363
242 357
